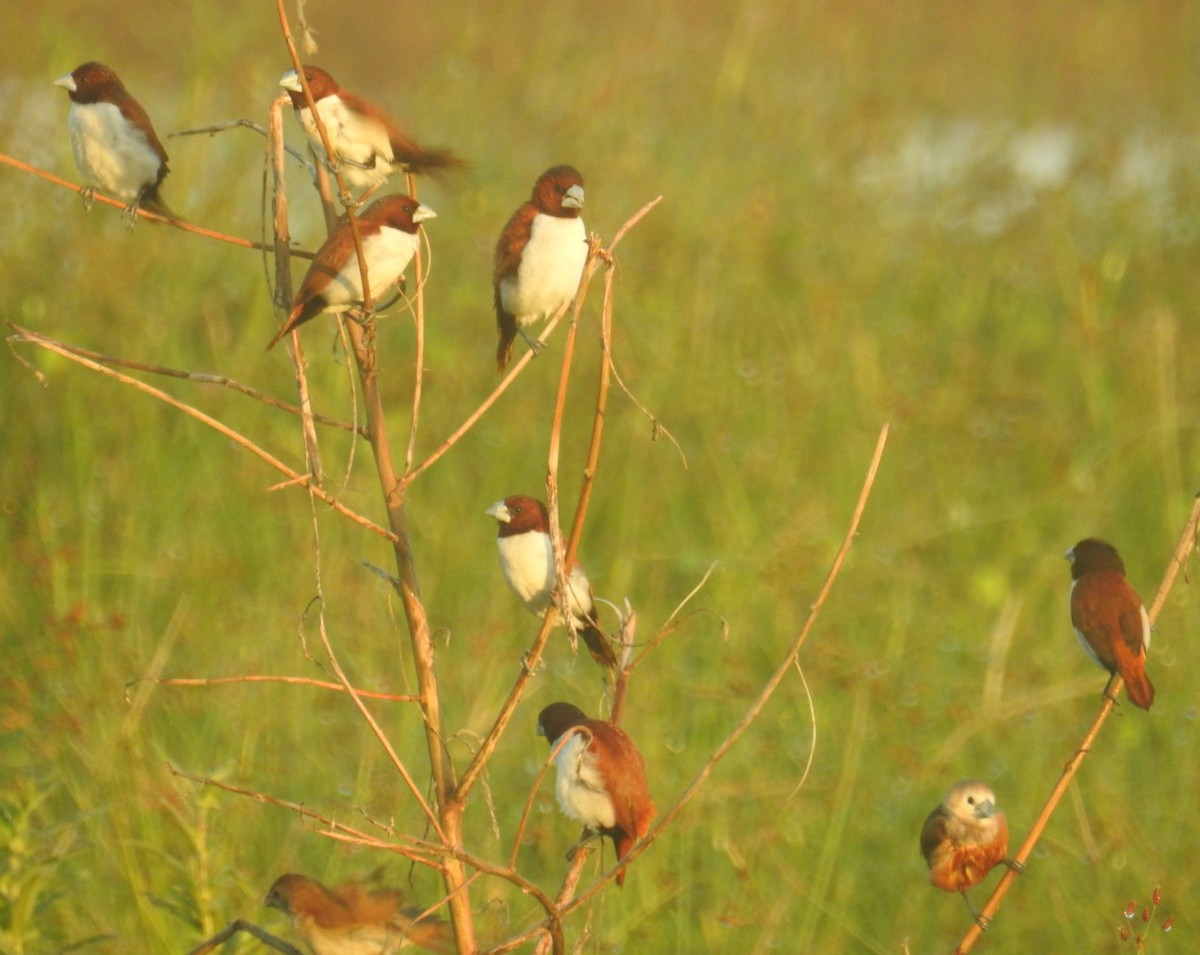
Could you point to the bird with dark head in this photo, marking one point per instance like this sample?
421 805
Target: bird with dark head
369 147
601 779
113 141
527 562
387 229
1110 622
353 919
963 838
539 257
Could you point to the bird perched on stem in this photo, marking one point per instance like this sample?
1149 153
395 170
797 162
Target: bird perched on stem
963 838
1109 620
113 141
539 258
353 919
601 777
369 147
387 229
527 562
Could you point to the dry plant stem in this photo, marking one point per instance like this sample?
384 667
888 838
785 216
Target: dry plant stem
1187 543
567 907
517 367
154 217
767 691
214 128
413 788
294 476
593 456
283 286
240 925
344 193
560 404
528 666
419 318
267 678
202 378
450 810
418 850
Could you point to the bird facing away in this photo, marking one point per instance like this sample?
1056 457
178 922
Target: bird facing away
527 562
113 141
333 283
368 145
1109 620
601 777
963 838
539 257
353 919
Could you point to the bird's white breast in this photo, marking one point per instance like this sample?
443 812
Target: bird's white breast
580 787
111 152
527 561
388 253
364 142
550 268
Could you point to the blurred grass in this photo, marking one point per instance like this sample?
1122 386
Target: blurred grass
974 221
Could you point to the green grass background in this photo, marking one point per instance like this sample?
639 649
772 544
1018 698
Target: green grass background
977 222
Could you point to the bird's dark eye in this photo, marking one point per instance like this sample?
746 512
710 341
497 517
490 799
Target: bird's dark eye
971 800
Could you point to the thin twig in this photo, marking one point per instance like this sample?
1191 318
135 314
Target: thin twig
1187 543
296 477
267 678
214 128
144 213
764 694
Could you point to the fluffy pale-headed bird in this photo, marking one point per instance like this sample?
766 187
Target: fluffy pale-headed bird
601 778
368 145
539 257
527 562
387 229
963 838
1109 620
353 919
113 141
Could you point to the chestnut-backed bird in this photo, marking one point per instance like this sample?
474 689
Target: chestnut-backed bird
113 141
601 777
387 229
963 838
353 919
539 257
368 145
1109 620
527 562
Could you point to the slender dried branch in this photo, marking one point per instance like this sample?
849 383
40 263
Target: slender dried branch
764 695
1187 543
214 128
144 213
240 925
200 378
294 476
268 678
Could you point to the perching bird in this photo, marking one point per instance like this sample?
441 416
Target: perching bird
540 257
601 777
963 838
1110 622
387 229
527 562
113 141
369 146
353 919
